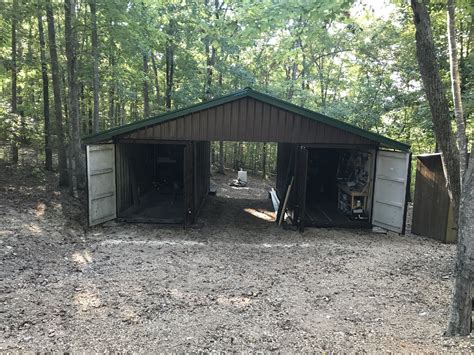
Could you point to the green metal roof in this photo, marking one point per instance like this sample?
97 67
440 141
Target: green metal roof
111 133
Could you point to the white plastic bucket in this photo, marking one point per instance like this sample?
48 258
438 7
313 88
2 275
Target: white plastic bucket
242 175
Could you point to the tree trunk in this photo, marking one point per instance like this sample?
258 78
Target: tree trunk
90 115
169 76
122 113
438 102
95 64
169 66
221 157
461 307
436 94
157 85
146 101
74 116
62 158
111 102
456 90
264 161
112 84
83 108
14 143
48 152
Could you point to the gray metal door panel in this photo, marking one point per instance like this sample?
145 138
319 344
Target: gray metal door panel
391 177
101 183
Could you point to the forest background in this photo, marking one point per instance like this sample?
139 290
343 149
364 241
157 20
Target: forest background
352 60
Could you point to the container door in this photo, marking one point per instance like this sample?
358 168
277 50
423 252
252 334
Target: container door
188 184
101 183
300 185
390 190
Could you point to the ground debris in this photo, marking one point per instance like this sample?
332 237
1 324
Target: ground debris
238 284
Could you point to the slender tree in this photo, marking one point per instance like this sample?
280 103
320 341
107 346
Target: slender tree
157 84
456 89
461 308
264 160
14 102
95 64
146 100
62 158
437 99
48 152
78 166
221 157
169 65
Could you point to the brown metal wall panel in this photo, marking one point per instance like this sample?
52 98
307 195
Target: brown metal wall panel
234 125
212 123
172 129
273 123
194 124
180 126
248 120
124 193
251 118
257 120
219 110
266 118
227 122
314 131
431 201
243 118
203 124
281 129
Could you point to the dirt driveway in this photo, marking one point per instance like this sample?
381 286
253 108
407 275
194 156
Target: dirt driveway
233 283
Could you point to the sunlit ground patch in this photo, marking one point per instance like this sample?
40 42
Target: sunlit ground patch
262 214
82 258
34 228
239 302
86 300
39 209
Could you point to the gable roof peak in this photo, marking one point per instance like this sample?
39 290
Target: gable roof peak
257 95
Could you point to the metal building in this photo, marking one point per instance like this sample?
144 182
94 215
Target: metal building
157 169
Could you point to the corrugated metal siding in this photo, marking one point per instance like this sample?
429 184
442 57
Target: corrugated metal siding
123 154
247 120
431 203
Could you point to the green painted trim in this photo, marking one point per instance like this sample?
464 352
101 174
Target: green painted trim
247 92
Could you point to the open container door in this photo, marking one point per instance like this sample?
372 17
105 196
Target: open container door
390 190
101 183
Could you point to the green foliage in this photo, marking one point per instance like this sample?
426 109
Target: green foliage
341 58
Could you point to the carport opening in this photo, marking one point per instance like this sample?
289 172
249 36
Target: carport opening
339 187
245 203
150 182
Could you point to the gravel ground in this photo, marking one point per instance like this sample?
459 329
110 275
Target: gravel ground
235 282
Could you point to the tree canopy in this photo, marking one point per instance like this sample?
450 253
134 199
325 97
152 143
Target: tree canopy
353 60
